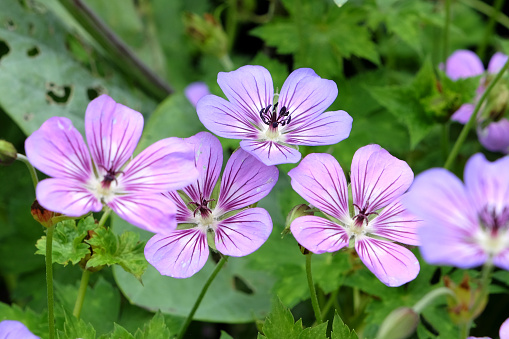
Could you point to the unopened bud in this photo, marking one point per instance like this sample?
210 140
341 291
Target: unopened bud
8 153
399 324
207 34
42 215
297 211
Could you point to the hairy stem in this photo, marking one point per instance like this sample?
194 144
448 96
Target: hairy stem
312 291
31 168
49 281
197 303
85 277
118 51
470 123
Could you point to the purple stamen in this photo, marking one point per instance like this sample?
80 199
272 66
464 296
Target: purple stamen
271 118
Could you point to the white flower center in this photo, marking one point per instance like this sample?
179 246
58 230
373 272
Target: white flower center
492 243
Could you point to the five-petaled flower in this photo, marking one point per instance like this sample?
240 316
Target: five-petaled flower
463 225
272 129
492 126
81 183
378 181
237 231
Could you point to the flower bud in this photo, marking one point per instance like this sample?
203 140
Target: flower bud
42 215
297 211
399 324
8 153
207 34
461 308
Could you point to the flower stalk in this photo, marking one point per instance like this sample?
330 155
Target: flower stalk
31 169
312 291
197 303
49 281
85 277
464 132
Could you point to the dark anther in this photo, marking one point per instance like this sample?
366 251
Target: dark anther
273 118
362 215
110 176
202 207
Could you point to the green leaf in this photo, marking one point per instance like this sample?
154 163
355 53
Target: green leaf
317 332
118 333
225 335
155 329
68 245
280 323
125 250
340 330
39 66
76 328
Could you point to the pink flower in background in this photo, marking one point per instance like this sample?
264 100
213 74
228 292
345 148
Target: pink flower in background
493 135
83 181
378 181
503 332
245 181
272 129
13 329
463 225
195 91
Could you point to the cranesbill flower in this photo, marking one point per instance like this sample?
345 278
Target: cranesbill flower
236 230
15 329
377 180
463 225
272 127
84 181
492 126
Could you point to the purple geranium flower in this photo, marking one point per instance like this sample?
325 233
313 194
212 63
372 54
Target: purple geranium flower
81 184
463 225
195 91
13 329
237 230
378 180
271 128
493 135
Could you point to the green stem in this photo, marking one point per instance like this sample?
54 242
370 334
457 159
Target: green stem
104 217
445 139
430 296
119 52
488 11
85 277
470 123
312 291
197 303
485 284
231 22
31 168
464 329
331 302
49 281
489 28
226 62
447 24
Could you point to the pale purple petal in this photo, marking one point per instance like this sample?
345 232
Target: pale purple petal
502 259
393 264
449 219
325 129
113 131
497 61
249 88
271 153
184 214
152 212
463 114
378 178
504 330
58 150
226 119
13 329
180 254
208 157
396 223
487 184
244 232
319 235
305 95
66 196
495 136
195 91
320 180
166 165
245 181
464 64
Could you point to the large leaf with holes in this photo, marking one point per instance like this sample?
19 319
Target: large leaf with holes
40 78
